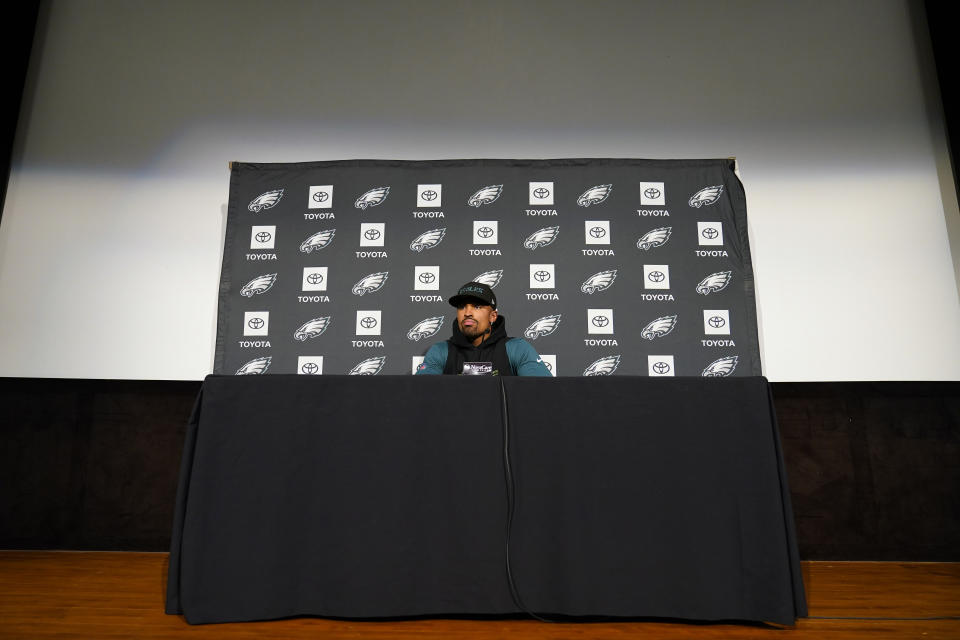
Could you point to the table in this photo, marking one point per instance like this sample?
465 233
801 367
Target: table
377 497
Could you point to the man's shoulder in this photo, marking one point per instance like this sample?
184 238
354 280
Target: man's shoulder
438 347
519 345
525 359
518 342
434 360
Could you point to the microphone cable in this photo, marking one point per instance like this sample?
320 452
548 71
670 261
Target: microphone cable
511 503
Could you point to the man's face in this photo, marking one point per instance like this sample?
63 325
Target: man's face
474 318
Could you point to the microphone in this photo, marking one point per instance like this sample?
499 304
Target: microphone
484 336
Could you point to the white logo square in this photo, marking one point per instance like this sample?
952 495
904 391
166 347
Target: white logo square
372 234
596 231
321 197
652 194
551 362
656 276
417 361
541 193
426 278
310 365
659 366
542 276
263 236
314 279
710 233
256 323
716 322
429 195
600 321
368 323
485 231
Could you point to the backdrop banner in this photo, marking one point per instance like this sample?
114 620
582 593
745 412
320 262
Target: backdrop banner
606 266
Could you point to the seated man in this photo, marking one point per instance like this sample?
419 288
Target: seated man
480 336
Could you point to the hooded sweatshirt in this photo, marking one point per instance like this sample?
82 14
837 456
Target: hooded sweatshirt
509 356
493 349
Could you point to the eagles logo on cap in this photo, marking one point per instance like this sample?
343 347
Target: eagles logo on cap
476 291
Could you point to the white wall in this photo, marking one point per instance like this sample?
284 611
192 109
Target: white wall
111 232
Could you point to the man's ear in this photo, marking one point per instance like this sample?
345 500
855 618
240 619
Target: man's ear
493 316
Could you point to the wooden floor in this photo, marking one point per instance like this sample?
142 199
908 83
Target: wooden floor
121 595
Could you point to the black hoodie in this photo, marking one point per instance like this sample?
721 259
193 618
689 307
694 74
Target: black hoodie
492 349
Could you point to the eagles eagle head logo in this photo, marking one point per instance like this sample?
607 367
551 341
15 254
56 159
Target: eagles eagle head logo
255 367
706 196
654 238
425 328
714 282
371 283
659 327
603 367
368 367
721 367
486 195
312 328
265 201
427 239
594 195
490 278
541 237
599 281
372 198
260 284
319 240
542 327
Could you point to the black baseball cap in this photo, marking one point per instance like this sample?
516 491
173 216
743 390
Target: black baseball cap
475 291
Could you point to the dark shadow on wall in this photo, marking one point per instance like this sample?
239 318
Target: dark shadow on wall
17 44
934 22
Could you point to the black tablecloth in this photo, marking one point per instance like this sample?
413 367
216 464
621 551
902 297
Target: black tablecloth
366 497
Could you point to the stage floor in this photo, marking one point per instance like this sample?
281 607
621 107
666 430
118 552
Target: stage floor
63 594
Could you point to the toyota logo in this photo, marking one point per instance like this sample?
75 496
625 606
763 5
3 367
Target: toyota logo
656 276
255 323
661 367
371 234
652 193
600 321
485 232
321 196
541 276
710 233
428 195
314 278
309 368
540 193
368 322
263 236
598 232
426 277
716 322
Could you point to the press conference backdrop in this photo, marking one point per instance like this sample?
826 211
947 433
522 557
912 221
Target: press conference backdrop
111 236
609 266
